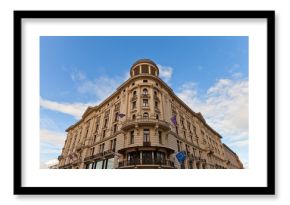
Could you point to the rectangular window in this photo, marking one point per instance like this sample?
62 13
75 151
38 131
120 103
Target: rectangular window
156 104
134 105
160 137
93 151
145 103
106 122
178 146
97 128
132 137
102 146
95 138
104 133
115 128
145 68
113 144
136 71
146 135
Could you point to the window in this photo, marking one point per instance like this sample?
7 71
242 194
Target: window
133 84
134 93
134 117
136 71
92 151
184 134
106 122
155 93
146 135
134 105
145 91
145 115
103 164
115 128
144 68
104 133
145 103
157 117
145 81
102 146
116 116
113 144
160 137
178 146
132 137
97 128
95 137
187 148
194 130
156 104
182 122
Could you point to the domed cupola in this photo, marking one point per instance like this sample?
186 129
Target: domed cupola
144 67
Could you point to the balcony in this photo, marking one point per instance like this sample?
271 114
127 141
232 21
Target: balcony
146 144
99 155
134 98
195 158
131 123
156 98
79 146
147 162
145 96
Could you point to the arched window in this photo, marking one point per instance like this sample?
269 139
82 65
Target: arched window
157 117
145 115
145 91
134 93
134 117
155 93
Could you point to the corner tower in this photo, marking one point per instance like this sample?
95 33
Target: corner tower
144 67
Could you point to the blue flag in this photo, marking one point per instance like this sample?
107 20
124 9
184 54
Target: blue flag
181 156
173 120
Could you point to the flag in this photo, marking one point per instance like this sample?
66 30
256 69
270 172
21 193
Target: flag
173 120
121 115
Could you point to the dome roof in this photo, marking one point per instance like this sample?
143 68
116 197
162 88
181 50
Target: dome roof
148 62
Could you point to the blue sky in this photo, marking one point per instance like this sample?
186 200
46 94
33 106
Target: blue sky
209 73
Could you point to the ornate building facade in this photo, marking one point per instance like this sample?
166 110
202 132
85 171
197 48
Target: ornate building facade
143 124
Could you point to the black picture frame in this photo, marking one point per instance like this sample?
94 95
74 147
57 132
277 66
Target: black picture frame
18 94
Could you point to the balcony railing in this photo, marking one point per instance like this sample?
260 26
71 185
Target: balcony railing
146 144
134 97
130 123
99 155
145 96
195 158
146 161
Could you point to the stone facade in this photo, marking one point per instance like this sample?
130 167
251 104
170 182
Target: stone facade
133 128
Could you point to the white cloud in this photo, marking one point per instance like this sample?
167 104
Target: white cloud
165 72
100 88
74 109
239 143
47 164
54 139
77 75
224 106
